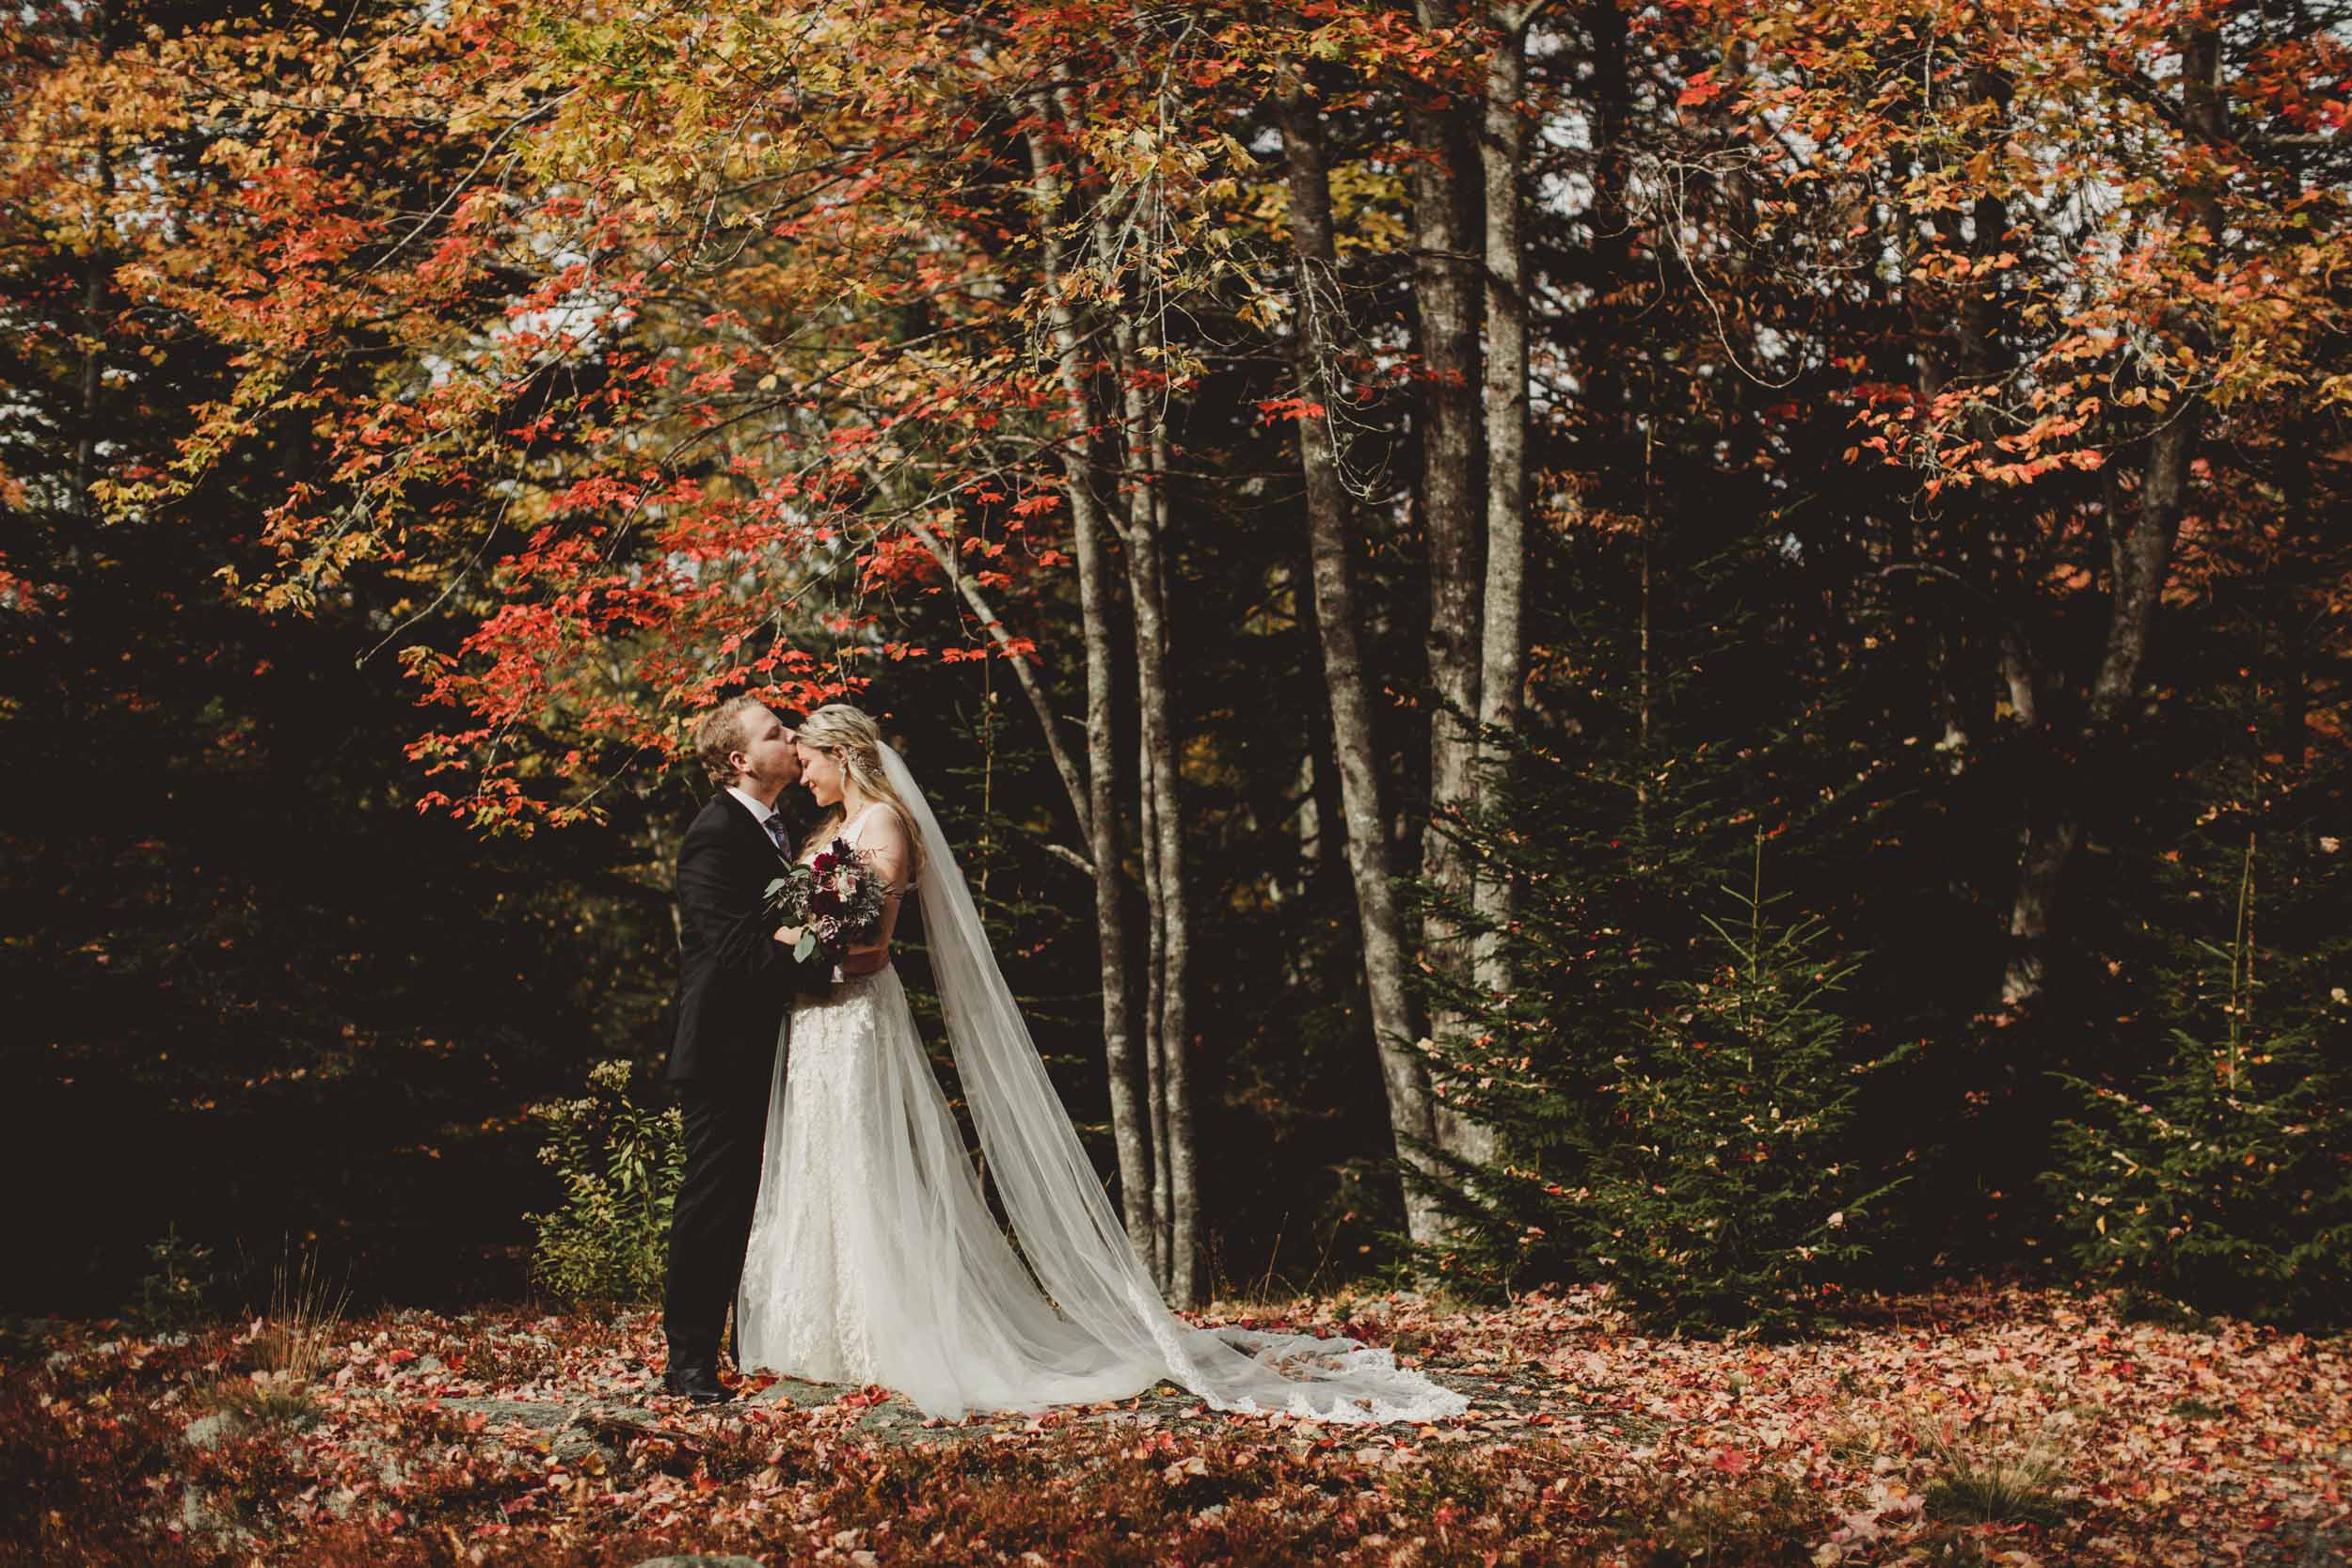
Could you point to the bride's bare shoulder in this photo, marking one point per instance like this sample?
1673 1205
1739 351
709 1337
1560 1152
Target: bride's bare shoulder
884 839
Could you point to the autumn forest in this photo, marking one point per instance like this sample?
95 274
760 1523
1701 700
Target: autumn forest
1690 646
1649 701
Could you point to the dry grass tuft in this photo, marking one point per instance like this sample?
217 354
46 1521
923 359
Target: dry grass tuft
1995 1485
299 1329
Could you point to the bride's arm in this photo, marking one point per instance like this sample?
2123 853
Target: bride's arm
885 847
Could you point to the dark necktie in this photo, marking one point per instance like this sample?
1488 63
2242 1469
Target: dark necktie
775 830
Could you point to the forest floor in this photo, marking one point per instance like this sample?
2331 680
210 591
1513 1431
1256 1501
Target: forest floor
1964 1426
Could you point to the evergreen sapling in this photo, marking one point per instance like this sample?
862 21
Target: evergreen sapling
1725 1195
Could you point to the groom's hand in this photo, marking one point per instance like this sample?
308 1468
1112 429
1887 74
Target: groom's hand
812 975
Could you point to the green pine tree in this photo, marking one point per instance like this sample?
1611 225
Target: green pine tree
1725 1195
2221 1178
1599 927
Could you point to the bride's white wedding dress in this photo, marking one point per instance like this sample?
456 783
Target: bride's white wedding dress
874 1258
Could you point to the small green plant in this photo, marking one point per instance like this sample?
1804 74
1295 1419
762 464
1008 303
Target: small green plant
1726 1195
173 1293
620 1163
2218 1179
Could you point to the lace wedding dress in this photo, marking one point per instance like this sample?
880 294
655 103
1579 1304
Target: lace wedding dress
874 1258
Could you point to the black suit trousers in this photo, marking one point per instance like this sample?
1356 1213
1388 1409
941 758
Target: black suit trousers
726 1129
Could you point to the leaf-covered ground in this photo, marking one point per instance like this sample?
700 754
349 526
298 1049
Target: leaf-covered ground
1986 1427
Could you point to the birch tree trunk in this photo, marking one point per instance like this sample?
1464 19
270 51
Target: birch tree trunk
1444 179
1155 1039
1130 1126
1164 828
1502 656
1167 1027
1175 917
1331 556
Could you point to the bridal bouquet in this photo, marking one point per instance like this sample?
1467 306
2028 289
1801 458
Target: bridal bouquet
836 900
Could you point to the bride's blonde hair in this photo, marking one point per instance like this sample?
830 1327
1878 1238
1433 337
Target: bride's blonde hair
853 737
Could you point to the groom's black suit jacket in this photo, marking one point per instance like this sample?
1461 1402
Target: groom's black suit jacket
736 981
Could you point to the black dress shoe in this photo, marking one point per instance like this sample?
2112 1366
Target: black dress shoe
699 1384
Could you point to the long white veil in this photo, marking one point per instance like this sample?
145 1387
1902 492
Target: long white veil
1062 1222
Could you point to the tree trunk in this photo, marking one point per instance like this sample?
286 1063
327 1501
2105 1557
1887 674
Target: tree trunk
1130 1126
1331 556
1963 521
1165 881
2140 543
1606 397
2140 551
1502 658
1644 691
1168 1031
1611 216
664 859
1175 891
1155 1052
1447 301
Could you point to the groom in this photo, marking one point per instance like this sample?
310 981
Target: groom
736 985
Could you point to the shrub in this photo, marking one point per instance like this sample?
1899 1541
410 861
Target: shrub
620 1165
1725 1195
1601 923
1675 1094
174 1293
270 1399
2219 1179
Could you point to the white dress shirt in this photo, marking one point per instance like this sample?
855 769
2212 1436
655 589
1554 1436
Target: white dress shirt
760 809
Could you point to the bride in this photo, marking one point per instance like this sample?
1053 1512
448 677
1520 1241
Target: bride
874 1258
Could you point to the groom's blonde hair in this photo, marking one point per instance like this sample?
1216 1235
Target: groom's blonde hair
719 735
850 735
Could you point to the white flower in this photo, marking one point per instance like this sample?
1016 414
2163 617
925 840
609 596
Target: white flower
1837 1221
2330 845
